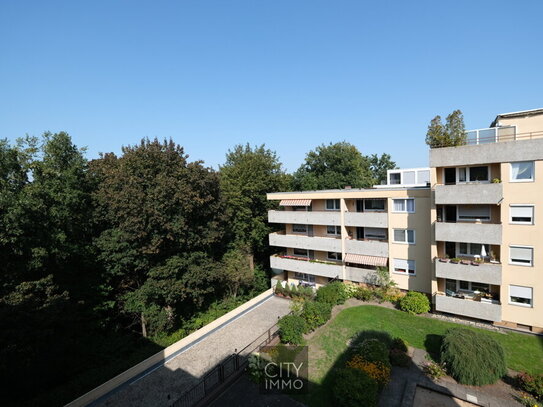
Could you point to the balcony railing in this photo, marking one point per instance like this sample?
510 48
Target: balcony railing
488 273
477 307
368 219
305 218
326 244
475 193
496 135
305 265
367 247
467 232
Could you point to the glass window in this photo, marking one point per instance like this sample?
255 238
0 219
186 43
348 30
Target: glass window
521 255
296 228
404 205
310 278
522 214
375 233
462 174
334 256
474 212
333 230
522 171
519 295
473 249
464 285
402 266
332 204
483 288
395 178
478 173
374 204
300 252
404 236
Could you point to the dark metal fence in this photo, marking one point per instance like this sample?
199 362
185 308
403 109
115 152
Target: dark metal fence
233 364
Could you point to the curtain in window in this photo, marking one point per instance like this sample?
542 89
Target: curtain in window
399 205
522 170
410 205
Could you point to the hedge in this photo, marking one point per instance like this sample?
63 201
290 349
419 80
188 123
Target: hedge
333 293
316 314
292 329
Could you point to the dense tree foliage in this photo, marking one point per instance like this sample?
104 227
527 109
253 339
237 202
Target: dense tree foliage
453 133
379 167
333 166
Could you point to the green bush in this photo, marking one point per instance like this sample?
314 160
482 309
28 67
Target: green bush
532 384
360 337
415 303
399 344
316 314
354 388
279 288
333 293
292 329
293 291
374 351
472 357
399 358
286 290
363 294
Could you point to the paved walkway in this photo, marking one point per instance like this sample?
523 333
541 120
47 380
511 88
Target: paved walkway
163 386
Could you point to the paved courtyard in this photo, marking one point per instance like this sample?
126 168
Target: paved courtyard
167 383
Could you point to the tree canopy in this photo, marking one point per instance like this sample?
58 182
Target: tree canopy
453 133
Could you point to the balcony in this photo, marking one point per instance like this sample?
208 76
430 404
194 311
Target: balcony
314 267
487 311
488 273
325 244
367 219
360 275
467 232
305 218
366 247
462 194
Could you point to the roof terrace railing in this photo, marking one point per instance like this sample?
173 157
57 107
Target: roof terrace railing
495 135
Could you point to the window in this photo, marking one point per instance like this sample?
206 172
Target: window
409 177
473 212
473 286
404 205
375 233
300 208
333 230
332 205
300 252
478 174
310 278
404 266
334 256
374 204
519 295
522 171
423 177
299 228
522 214
521 255
395 178
473 249
462 174
404 236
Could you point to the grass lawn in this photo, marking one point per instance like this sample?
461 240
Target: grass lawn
327 347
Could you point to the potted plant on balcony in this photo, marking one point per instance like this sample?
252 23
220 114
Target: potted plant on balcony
465 262
478 261
496 181
493 257
444 259
455 260
486 297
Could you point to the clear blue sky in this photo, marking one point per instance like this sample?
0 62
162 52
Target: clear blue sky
288 73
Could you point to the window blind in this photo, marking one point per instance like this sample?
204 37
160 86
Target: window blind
521 292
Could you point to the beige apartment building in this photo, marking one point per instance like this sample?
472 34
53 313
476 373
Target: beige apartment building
466 231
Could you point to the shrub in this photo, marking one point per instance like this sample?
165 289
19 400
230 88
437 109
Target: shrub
399 358
279 288
297 306
354 388
527 400
377 370
333 293
472 357
399 344
415 303
350 290
316 314
286 290
393 295
434 370
291 329
360 337
364 294
532 384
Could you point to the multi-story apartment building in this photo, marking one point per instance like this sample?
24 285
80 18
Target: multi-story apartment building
464 231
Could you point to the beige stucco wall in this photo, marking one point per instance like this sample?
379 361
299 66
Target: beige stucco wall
525 124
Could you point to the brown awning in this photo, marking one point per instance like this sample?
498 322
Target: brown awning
366 260
295 202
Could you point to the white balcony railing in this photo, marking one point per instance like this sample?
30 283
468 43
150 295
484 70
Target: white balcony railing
491 135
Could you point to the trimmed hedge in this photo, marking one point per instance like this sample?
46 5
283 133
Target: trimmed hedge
415 303
333 293
316 314
354 388
292 329
472 357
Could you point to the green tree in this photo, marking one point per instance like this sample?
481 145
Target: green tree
379 167
333 166
236 271
453 133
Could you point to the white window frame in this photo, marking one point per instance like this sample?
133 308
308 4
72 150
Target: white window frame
531 264
380 237
521 180
408 269
459 219
467 181
470 286
512 222
530 305
338 201
298 232
309 278
337 230
468 254
406 234
404 204
337 257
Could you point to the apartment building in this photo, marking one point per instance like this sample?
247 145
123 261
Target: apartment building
464 231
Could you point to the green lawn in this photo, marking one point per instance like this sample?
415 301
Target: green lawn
327 348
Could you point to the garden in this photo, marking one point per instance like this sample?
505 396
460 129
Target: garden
352 354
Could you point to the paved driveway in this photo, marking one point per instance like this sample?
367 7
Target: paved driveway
166 384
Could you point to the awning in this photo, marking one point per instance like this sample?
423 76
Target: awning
366 260
295 202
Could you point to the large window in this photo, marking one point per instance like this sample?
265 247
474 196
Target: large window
374 205
402 266
332 205
473 174
522 171
301 252
522 214
395 178
404 236
334 256
308 278
473 212
404 205
296 228
333 230
473 249
375 233
519 295
521 255
473 286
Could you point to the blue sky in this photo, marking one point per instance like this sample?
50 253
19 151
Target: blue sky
291 74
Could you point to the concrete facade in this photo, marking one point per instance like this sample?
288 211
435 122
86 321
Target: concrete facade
463 194
305 218
307 267
468 308
367 247
367 219
326 244
469 232
484 273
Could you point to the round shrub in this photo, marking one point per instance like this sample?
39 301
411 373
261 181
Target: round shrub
354 388
399 344
472 357
374 351
363 294
292 329
316 313
532 384
399 358
333 293
415 303
360 337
